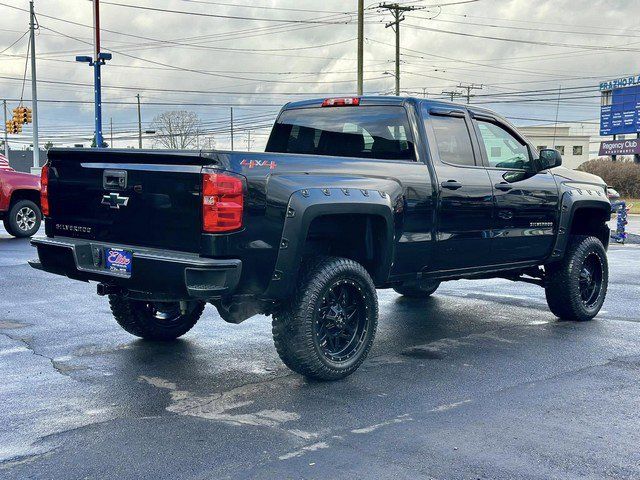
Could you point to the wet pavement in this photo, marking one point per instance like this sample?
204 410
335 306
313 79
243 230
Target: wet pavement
480 381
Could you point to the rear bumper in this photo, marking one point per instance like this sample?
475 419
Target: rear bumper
155 274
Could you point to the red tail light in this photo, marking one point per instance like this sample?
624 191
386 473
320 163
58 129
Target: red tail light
222 202
44 190
341 102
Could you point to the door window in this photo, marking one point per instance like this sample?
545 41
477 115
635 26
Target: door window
453 140
503 150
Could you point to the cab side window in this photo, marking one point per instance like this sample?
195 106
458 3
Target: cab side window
503 150
453 140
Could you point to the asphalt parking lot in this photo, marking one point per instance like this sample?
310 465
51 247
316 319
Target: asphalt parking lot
480 381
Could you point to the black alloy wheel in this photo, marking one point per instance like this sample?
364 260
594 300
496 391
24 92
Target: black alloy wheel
341 321
591 279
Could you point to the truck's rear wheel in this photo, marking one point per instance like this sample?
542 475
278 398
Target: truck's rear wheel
327 328
23 219
154 320
413 291
576 286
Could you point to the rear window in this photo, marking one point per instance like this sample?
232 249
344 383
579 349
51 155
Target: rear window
364 131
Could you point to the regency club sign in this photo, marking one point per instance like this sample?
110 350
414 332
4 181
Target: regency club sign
620 147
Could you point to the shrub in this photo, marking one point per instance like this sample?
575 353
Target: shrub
623 175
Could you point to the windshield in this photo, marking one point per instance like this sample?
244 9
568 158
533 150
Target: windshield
364 131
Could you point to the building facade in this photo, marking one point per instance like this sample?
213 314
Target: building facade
573 146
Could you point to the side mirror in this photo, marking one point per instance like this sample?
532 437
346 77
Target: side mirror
549 158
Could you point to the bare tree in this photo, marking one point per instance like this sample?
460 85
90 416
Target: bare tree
176 130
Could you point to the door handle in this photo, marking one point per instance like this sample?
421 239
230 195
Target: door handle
504 186
451 185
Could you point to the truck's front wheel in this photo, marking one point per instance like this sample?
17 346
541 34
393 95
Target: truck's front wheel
326 330
577 285
155 320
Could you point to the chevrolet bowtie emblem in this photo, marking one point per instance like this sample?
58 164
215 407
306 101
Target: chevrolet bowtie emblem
114 200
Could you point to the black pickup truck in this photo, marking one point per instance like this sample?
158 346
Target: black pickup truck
351 195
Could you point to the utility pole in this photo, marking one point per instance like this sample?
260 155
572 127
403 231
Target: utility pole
360 46
96 62
468 87
397 11
232 129
34 88
248 140
6 133
139 123
452 93
111 129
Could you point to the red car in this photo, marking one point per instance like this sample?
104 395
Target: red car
19 201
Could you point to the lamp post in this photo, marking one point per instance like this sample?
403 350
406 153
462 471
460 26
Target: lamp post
96 62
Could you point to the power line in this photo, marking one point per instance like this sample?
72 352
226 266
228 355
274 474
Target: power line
14 43
232 17
530 42
237 5
179 90
522 28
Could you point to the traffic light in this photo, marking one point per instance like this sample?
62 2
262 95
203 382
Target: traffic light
22 115
21 118
16 126
8 126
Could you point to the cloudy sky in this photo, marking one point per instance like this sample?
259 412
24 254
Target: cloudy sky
206 56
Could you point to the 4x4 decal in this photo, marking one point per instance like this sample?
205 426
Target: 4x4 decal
259 163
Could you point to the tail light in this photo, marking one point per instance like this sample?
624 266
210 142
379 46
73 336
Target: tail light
44 190
222 202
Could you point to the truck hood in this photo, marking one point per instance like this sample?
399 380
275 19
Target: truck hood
565 175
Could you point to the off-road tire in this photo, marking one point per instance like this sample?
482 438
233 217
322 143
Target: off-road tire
563 281
413 291
296 323
137 317
15 222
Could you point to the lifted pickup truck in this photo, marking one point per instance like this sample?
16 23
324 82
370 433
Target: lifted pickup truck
352 194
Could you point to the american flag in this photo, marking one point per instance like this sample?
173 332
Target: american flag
4 163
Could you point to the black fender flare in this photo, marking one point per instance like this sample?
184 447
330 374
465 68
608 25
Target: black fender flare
572 201
303 207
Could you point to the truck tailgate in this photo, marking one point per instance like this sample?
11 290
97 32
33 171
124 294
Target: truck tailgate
151 199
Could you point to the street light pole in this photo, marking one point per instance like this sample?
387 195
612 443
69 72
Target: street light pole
97 79
34 88
232 129
139 123
6 133
96 62
360 46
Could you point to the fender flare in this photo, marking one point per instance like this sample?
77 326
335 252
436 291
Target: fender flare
572 201
303 207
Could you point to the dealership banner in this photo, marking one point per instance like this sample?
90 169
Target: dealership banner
620 147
